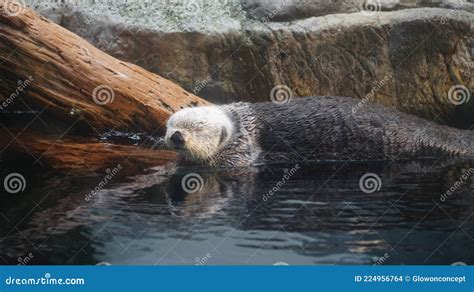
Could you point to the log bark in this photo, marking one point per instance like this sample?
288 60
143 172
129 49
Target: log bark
48 68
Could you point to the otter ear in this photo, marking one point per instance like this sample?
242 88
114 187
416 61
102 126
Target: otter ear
224 135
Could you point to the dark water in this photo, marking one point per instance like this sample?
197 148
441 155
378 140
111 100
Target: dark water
319 216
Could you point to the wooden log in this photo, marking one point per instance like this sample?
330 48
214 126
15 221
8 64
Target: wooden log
76 154
52 69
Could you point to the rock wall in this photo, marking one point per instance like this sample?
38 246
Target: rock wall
418 60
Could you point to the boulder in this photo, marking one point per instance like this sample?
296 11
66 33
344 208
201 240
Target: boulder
417 60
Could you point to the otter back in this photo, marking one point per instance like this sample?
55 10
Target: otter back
338 128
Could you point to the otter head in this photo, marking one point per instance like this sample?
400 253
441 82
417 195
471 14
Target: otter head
199 133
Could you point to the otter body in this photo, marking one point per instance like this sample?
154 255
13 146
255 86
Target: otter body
316 128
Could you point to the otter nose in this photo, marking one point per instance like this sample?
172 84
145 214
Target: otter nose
177 138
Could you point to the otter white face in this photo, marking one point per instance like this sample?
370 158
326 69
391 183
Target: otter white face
199 133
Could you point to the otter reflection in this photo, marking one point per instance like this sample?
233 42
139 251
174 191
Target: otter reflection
310 192
203 194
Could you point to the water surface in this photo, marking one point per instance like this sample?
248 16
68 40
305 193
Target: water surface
319 215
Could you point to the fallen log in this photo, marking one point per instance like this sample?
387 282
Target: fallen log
76 155
48 68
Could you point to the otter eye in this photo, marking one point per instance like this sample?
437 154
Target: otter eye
198 127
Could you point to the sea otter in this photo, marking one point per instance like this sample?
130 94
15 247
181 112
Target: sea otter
313 128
